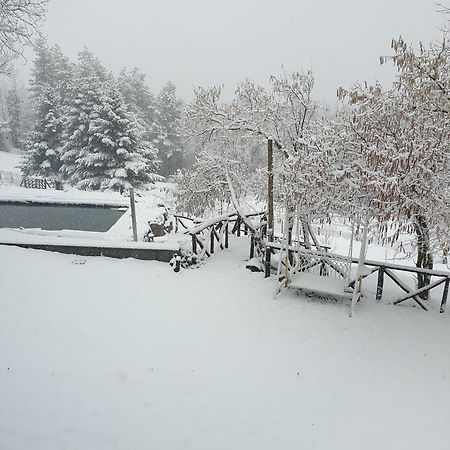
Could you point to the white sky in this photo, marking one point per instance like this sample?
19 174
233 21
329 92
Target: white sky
210 42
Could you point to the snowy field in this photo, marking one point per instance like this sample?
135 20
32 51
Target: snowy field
129 355
9 162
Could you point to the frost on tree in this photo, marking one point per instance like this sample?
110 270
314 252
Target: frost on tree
167 130
139 100
51 78
283 112
104 141
220 179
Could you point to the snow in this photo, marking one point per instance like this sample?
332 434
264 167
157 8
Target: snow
9 162
70 196
129 355
312 282
73 239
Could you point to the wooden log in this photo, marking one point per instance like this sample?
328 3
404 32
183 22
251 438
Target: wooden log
226 234
405 288
211 240
380 284
270 182
445 295
421 290
194 244
268 258
252 247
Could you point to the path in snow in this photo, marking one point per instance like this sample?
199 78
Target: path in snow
129 355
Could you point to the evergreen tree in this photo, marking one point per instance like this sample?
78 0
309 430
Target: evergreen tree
51 78
105 148
83 97
140 101
168 133
13 104
136 94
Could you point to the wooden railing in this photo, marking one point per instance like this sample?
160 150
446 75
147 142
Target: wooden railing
327 264
212 235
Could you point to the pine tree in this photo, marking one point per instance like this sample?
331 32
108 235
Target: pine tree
83 97
49 85
13 105
168 134
105 148
137 95
140 101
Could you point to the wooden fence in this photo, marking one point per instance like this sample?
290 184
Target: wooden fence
327 263
41 183
213 235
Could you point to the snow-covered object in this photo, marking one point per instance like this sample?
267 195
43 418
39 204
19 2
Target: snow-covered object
281 112
51 77
104 145
9 236
69 197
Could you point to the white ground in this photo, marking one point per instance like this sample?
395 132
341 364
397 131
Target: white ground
120 355
9 162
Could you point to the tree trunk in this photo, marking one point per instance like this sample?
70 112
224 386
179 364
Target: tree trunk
424 255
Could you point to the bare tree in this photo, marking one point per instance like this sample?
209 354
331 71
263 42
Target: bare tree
20 20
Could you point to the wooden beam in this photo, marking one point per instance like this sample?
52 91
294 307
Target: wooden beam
380 284
270 215
445 295
226 234
252 246
267 258
421 290
403 286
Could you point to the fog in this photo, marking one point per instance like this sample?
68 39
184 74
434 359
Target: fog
210 42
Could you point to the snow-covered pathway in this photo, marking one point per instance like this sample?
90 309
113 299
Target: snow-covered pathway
129 355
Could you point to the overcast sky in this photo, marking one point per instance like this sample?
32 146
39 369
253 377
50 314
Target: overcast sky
206 42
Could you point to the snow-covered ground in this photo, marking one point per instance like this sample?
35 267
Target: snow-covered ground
9 162
129 355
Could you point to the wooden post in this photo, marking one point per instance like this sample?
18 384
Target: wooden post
252 246
226 235
238 222
133 215
445 295
267 263
323 269
380 284
194 244
362 255
212 241
270 221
